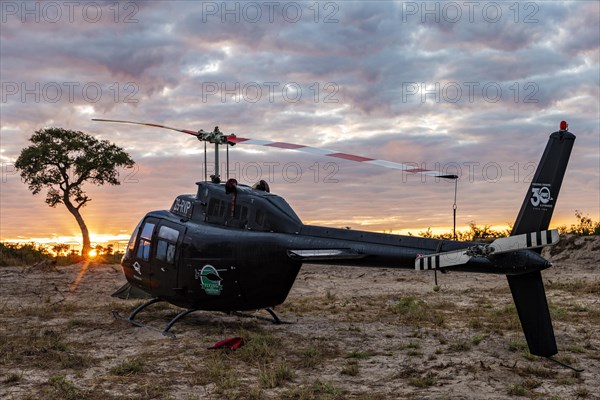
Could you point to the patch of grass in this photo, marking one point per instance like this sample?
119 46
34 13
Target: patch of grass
517 345
261 347
423 381
528 356
575 348
414 353
577 286
565 359
273 376
47 349
536 371
459 346
410 345
127 367
504 318
524 387
74 360
329 389
154 390
557 312
415 311
318 351
407 371
517 390
475 324
219 372
63 388
358 354
530 383
311 357
351 368
477 339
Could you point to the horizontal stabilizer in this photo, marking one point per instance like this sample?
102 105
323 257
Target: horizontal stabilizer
324 254
441 260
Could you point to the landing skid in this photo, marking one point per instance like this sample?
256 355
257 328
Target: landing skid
165 331
131 318
135 312
275 318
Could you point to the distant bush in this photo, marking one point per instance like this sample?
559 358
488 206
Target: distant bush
585 226
22 254
15 254
475 234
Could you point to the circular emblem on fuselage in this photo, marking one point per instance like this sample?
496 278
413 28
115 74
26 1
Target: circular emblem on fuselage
210 280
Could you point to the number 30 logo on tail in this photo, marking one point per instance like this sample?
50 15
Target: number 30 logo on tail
540 195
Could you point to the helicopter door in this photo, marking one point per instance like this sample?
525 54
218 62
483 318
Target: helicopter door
164 264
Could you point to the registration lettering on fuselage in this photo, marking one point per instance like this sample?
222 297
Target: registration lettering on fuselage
182 208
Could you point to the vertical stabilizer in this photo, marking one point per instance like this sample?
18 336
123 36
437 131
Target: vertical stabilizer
538 206
534 216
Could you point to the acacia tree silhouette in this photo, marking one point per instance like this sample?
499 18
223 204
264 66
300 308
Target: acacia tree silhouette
62 160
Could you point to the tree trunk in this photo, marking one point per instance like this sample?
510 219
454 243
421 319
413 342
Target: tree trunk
85 234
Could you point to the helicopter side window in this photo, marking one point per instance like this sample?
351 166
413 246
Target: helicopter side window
167 239
213 207
144 246
216 208
261 219
242 214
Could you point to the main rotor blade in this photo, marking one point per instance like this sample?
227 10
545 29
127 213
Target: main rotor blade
146 124
232 139
333 153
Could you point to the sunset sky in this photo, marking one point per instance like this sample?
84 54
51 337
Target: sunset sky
472 88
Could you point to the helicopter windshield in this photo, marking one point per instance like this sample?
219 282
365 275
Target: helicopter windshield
131 244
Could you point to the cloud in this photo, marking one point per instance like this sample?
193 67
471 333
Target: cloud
392 80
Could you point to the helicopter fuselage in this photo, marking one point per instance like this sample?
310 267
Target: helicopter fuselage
236 249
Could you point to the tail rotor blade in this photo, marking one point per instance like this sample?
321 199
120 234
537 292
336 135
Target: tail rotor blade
442 260
530 240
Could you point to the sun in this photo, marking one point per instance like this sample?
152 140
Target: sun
93 253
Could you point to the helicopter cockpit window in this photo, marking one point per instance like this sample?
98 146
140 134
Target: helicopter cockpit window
147 231
167 239
131 244
144 246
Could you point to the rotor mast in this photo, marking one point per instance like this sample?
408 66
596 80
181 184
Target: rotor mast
217 137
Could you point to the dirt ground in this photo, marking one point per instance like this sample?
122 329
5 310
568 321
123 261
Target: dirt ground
355 333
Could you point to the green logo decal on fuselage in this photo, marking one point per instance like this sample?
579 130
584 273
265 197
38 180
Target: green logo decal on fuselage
211 281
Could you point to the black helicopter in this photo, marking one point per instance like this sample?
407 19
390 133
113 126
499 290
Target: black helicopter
232 247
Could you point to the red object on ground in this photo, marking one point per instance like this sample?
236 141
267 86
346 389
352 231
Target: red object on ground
231 343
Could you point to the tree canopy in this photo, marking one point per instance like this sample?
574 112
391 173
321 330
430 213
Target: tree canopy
62 160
